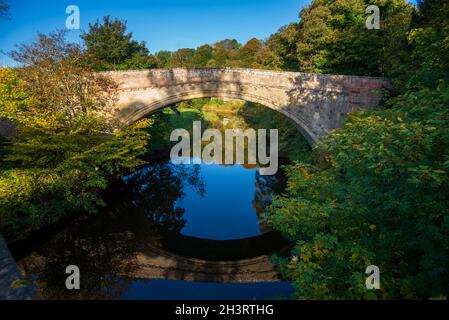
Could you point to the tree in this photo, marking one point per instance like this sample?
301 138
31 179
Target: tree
65 90
163 59
376 192
268 59
63 152
429 39
4 9
376 195
333 38
431 13
202 56
139 61
247 53
229 44
182 58
15 99
225 54
109 46
280 49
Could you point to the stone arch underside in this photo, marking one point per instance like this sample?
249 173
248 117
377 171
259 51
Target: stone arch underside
144 109
317 104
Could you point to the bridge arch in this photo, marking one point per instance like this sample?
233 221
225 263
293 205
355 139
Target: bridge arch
148 109
317 104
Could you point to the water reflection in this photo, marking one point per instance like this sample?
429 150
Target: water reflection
157 188
142 229
167 222
207 201
182 290
102 248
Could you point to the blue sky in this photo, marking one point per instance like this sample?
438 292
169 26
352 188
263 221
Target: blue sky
163 24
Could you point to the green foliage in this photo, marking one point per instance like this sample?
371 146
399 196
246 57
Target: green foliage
226 53
109 47
377 190
202 56
330 37
140 60
62 155
291 143
46 176
279 52
377 194
163 59
374 192
14 97
182 58
430 42
248 53
62 90
181 115
333 38
238 114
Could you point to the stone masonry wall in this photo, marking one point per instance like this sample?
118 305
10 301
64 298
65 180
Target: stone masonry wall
316 103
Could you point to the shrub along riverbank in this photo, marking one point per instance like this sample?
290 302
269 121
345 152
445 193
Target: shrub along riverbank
377 192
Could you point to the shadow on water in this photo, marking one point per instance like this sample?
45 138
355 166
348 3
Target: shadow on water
149 202
152 229
141 223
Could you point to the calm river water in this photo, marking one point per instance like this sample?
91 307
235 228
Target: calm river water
161 235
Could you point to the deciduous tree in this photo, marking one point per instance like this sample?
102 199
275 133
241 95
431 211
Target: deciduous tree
110 47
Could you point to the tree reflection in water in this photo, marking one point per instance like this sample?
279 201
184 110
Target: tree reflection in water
157 188
101 247
140 209
104 247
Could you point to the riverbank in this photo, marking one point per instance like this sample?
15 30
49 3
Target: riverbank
12 284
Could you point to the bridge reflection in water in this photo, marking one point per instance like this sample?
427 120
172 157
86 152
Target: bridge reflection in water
139 237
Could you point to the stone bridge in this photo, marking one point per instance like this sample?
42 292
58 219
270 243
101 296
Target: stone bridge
316 103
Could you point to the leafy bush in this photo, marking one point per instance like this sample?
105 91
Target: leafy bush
378 193
63 152
46 176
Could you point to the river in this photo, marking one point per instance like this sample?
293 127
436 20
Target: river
169 232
